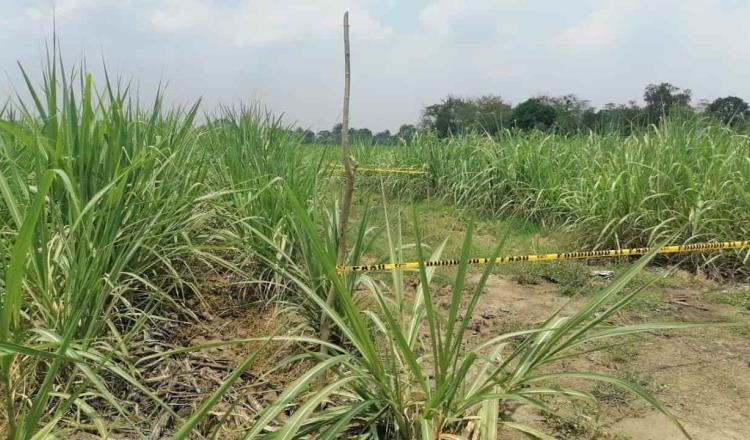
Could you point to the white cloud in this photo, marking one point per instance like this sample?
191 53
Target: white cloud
63 9
600 29
262 22
441 16
469 47
717 29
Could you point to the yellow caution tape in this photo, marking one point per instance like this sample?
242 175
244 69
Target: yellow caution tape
387 170
697 247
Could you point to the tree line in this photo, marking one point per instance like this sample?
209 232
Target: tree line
566 114
358 135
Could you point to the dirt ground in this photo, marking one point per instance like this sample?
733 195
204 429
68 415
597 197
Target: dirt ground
702 375
233 321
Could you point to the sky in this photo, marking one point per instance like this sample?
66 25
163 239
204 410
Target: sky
288 55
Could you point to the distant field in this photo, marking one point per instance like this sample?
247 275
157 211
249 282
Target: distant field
682 182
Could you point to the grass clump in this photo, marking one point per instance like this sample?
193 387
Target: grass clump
100 216
572 277
738 297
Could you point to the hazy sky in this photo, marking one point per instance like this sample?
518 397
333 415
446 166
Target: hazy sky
405 54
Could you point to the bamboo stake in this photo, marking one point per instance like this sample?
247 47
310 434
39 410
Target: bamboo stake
346 199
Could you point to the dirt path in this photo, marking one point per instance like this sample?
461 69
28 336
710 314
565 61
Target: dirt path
702 375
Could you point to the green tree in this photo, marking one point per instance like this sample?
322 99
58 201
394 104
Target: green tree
492 113
309 137
730 110
383 138
451 116
406 132
532 114
355 134
363 135
663 98
488 113
336 133
305 136
324 137
622 118
569 112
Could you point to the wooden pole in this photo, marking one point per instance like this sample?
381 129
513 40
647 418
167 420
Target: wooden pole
346 202
346 198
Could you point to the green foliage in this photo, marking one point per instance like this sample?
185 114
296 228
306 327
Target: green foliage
661 99
534 114
305 136
566 114
98 195
738 297
569 113
730 110
680 180
455 116
571 276
622 119
255 156
410 372
406 132
356 135
383 138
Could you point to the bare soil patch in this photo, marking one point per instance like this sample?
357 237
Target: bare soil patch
702 375
185 380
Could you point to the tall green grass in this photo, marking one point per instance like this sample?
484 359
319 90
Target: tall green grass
684 179
257 163
254 157
99 207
